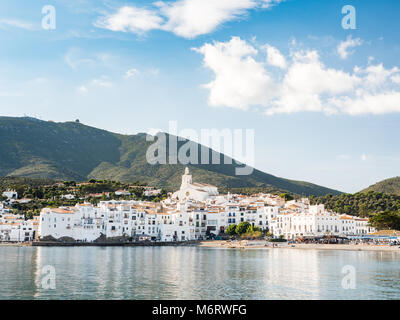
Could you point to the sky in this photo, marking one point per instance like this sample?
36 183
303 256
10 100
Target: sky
323 100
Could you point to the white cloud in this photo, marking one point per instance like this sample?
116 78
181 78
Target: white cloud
82 89
364 157
242 79
15 23
344 46
185 18
77 59
275 58
103 81
267 4
228 60
343 156
131 19
131 73
396 78
191 18
368 103
73 58
376 75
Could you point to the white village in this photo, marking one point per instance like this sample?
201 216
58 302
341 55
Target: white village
195 212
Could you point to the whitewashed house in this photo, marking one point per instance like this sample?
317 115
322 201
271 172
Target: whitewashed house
14 228
10 194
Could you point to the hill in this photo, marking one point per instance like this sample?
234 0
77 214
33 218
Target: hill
363 204
73 151
389 186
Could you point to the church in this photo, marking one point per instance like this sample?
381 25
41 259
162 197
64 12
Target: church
194 191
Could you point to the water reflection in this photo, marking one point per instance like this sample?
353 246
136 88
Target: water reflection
196 273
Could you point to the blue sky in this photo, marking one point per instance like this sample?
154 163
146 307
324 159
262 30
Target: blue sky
323 101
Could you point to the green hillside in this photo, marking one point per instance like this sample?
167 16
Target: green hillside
389 186
73 151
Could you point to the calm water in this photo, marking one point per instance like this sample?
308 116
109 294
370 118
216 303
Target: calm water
196 273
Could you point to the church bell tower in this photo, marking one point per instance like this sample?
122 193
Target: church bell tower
186 178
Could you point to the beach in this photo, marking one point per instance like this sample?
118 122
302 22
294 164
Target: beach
15 244
253 244
257 244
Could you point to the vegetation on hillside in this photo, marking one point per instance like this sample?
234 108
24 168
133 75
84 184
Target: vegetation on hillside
20 184
73 151
41 195
383 209
251 191
360 204
390 186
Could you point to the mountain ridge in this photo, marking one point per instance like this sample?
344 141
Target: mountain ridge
389 186
73 151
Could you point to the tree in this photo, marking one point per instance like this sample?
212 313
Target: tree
231 230
286 196
242 227
386 220
70 183
250 229
138 192
363 210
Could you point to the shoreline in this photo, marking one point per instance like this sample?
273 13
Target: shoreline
15 244
218 244
249 245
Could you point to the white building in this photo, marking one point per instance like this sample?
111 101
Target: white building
122 193
194 191
194 212
14 228
152 192
82 223
68 196
297 221
10 194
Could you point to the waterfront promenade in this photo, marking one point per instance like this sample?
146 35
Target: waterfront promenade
221 244
246 244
